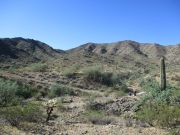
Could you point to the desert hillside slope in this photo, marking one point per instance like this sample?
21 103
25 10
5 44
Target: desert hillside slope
132 49
93 89
20 50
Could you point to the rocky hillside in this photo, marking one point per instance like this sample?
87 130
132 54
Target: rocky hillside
20 50
125 53
131 49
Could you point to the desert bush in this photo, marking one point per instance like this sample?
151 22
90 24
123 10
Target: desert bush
37 67
162 115
106 78
159 107
95 112
13 68
175 131
121 87
25 91
110 79
176 78
156 95
57 90
8 92
69 72
97 117
95 106
93 73
11 92
30 112
133 75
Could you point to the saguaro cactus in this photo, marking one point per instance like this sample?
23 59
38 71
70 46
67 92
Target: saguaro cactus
163 73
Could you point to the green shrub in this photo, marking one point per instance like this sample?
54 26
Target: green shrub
162 115
37 67
25 91
69 72
106 78
30 112
57 90
175 131
93 73
155 94
8 92
11 92
159 107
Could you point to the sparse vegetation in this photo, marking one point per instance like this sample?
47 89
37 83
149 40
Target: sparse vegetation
94 106
11 92
8 92
37 67
30 112
162 115
57 90
122 88
176 78
89 94
154 93
97 117
175 131
69 72
159 108
26 91
97 75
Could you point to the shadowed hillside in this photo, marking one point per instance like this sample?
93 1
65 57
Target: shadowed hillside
20 50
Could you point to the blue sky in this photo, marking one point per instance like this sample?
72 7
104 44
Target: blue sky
65 24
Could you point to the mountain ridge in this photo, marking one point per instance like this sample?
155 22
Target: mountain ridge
14 50
132 48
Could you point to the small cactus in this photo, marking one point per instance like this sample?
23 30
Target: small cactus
50 107
163 73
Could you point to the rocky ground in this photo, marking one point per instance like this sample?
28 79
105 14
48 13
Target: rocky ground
70 120
73 117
